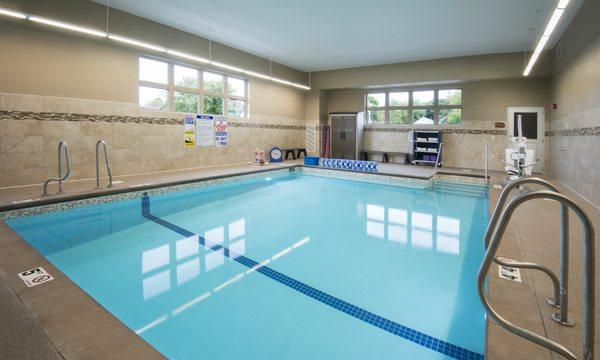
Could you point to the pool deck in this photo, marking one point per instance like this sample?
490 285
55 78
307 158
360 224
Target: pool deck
59 320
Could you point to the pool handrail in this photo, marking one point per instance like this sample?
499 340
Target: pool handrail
103 143
61 145
560 286
589 278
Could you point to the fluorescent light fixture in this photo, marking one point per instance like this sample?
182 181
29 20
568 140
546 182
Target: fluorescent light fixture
14 14
558 12
63 25
300 86
281 81
541 44
136 43
184 55
258 75
562 4
553 21
225 66
187 56
532 61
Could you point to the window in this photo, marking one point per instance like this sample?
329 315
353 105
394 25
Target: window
450 106
419 107
398 109
168 86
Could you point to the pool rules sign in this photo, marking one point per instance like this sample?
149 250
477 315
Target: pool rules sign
35 276
201 130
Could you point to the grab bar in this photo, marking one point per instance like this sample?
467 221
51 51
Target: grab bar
98 164
560 287
588 262
437 158
60 177
485 164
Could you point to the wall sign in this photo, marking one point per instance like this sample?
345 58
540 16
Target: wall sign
221 132
205 130
35 276
189 130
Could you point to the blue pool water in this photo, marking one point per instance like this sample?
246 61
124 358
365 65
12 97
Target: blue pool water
284 266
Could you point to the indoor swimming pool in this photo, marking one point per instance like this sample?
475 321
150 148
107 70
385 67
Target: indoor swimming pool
282 265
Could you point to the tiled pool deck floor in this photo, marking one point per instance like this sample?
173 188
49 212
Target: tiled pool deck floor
58 320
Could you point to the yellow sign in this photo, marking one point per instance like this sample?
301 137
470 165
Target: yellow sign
189 131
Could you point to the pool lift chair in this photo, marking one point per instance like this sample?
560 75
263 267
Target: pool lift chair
521 160
493 236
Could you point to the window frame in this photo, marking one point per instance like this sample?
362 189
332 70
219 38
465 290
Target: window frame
436 107
200 91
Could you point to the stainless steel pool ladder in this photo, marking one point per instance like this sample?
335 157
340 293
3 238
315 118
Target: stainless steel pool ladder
61 145
104 146
437 161
493 237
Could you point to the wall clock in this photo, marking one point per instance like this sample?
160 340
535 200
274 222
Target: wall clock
275 155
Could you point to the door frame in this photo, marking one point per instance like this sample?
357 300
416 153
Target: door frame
541 131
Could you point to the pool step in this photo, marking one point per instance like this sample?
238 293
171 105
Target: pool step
460 189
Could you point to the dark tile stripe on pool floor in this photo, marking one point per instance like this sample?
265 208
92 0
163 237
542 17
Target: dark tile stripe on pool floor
390 326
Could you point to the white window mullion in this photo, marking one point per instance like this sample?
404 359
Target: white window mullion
171 82
202 92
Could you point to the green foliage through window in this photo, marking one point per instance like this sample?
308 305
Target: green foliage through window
450 116
213 105
185 102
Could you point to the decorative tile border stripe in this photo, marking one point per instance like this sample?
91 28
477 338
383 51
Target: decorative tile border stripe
46 116
587 131
266 126
38 210
445 131
359 313
461 179
373 178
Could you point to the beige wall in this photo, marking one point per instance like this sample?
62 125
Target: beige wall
138 141
482 100
93 15
575 125
39 62
460 69
45 75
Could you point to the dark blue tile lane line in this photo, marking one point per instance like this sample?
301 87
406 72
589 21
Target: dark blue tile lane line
390 326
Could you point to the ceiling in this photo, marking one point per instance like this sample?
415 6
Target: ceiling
331 34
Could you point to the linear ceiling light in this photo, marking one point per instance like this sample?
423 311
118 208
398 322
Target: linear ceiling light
558 12
136 43
225 66
153 47
188 56
13 14
63 25
258 75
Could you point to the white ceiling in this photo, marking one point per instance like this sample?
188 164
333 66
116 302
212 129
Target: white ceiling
331 34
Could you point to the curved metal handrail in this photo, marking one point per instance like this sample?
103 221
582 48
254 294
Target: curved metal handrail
60 177
98 164
589 265
560 287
